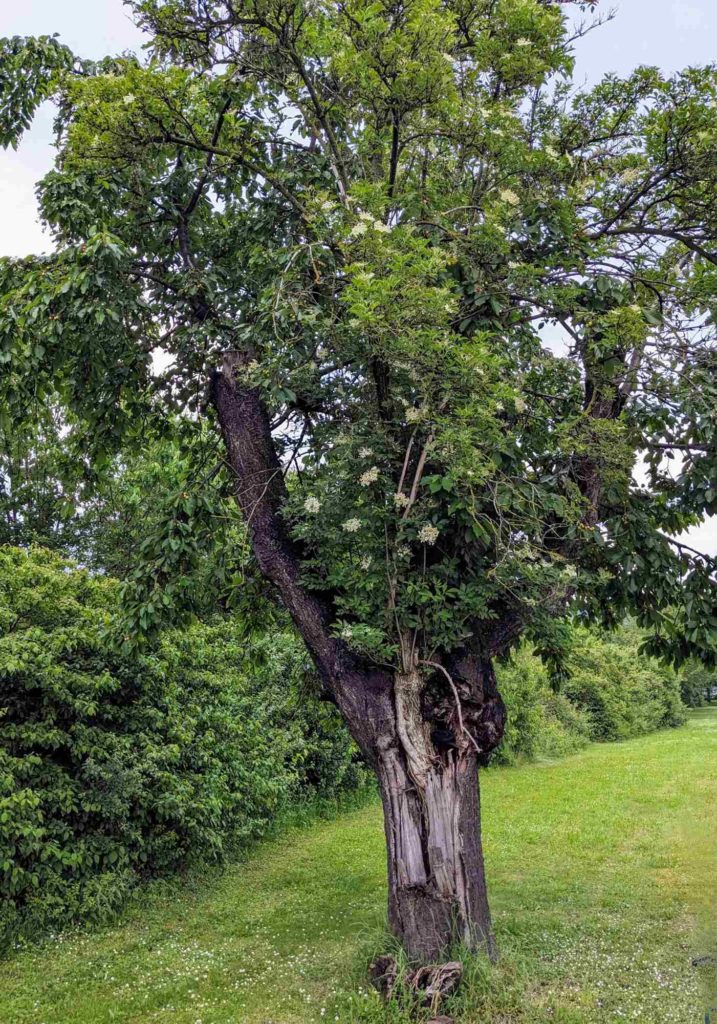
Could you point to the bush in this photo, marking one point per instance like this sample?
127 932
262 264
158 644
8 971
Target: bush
612 693
120 765
541 723
623 692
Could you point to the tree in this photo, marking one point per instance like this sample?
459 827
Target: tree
347 228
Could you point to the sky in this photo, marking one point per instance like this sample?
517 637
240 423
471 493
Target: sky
668 33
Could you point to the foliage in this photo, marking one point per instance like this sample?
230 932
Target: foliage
118 765
611 692
623 693
697 684
378 208
541 723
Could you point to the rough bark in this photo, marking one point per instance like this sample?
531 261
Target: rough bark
424 730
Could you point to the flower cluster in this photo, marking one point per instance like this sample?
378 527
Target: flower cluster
428 534
369 477
312 505
352 525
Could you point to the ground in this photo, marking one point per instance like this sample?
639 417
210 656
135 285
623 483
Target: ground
602 873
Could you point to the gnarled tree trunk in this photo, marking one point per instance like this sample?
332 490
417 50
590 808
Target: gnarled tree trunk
424 730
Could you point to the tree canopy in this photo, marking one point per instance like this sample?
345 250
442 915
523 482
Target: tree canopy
385 210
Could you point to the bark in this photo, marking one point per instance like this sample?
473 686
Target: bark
425 730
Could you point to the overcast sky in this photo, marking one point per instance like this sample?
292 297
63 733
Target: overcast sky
668 33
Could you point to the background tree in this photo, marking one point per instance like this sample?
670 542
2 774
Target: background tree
344 227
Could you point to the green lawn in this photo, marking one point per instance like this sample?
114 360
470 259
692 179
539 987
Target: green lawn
604 883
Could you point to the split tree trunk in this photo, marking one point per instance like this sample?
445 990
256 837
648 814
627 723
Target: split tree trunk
424 731
436 880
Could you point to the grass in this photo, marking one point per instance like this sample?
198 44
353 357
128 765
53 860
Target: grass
602 872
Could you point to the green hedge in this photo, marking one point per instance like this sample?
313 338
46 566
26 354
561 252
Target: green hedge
118 766
612 693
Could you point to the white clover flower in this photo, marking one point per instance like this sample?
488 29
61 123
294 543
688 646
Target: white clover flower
428 534
358 229
352 525
520 404
400 499
370 476
129 98
507 195
312 505
365 453
365 562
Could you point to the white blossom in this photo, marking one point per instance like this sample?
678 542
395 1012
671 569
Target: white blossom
523 42
370 476
351 525
400 499
365 562
358 229
366 453
508 196
129 98
428 534
378 225
520 404
312 504
413 415
630 175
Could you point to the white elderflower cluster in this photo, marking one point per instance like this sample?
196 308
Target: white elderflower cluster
370 476
523 41
403 551
507 195
413 415
365 562
520 404
630 175
428 534
312 505
352 525
365 453
366 221
400 499
129 98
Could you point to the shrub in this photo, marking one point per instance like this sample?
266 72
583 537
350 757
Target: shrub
118 765
541 723
623 692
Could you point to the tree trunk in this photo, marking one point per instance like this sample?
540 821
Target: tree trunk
436 881
424 730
